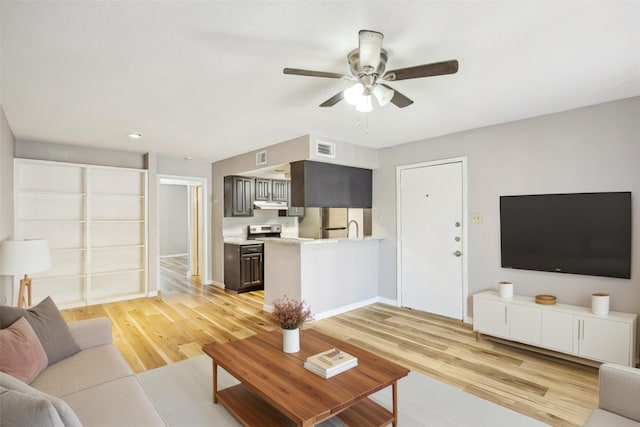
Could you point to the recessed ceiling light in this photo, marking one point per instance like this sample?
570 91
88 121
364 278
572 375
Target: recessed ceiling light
135 135
188 158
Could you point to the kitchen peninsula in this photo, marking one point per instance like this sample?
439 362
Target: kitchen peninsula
330 275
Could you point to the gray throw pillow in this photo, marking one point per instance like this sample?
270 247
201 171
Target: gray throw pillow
19 409
62 409
48 324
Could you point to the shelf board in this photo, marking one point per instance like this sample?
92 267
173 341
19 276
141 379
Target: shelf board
78 249
112 272
64 276
137 245
109 195
55 221
50 193
117 220
251 410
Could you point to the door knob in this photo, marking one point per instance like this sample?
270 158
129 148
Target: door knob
457 253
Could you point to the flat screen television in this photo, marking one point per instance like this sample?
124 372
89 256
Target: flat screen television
580 233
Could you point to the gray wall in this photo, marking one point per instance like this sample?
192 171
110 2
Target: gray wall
7 143
174 221
585 150
37 150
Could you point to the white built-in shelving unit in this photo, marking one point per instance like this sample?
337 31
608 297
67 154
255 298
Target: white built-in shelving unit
95 219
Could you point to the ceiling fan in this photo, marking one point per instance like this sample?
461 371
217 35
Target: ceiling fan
367 65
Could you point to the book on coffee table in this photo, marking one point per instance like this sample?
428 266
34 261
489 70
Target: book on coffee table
330 362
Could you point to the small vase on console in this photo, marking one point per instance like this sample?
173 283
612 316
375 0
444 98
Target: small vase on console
505 289
600 303
291 340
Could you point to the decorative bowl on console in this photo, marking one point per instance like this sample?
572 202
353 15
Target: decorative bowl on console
546 299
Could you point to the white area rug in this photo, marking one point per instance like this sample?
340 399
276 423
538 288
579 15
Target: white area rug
182 393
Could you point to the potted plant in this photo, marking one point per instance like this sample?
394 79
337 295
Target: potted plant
290 314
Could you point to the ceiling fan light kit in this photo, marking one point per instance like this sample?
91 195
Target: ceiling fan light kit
367 64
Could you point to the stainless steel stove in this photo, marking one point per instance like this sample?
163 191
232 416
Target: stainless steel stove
265 230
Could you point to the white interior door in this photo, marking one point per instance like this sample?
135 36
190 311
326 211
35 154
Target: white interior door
431 238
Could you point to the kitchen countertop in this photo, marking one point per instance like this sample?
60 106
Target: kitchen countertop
308 241
241 241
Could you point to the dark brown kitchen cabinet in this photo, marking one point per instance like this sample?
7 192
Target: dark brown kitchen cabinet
271 190
243 267
327 185
238 196
279 190
263 189
251 270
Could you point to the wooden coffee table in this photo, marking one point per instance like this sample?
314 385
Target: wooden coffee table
276 390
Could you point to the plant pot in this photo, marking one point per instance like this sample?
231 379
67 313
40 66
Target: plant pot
291 340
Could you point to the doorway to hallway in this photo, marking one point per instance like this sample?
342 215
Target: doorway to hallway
183 235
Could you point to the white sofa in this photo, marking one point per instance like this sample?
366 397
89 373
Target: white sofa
95 387
619 398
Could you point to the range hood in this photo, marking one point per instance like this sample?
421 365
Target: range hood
259 204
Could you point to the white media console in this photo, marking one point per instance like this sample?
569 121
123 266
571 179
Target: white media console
567 329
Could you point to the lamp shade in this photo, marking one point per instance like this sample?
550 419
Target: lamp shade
353 94
383 94
24 256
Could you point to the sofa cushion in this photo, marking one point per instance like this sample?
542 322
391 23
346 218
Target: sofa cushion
64 411
49 326
92 332
619 390
90 367
122 402
601 418
21 354
19 409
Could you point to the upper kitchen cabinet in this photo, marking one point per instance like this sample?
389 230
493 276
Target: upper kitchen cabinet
327 185
271 190
238 196
263 189
280 190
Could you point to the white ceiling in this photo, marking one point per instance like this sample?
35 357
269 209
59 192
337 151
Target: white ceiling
204 78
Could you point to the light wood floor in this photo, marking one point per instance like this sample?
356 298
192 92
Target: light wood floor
152 332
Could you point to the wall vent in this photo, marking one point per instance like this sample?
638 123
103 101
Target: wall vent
326 149
261 158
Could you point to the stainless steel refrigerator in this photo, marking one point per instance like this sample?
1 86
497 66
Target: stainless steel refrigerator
324 223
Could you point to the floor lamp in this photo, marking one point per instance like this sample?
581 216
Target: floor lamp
24 257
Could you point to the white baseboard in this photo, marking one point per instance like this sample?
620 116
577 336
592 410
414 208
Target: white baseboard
152 294
216 284
345 308
334 312
389 301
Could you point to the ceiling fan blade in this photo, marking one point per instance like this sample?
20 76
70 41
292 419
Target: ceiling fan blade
299 72
426 70
333 100
369 49
399 100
